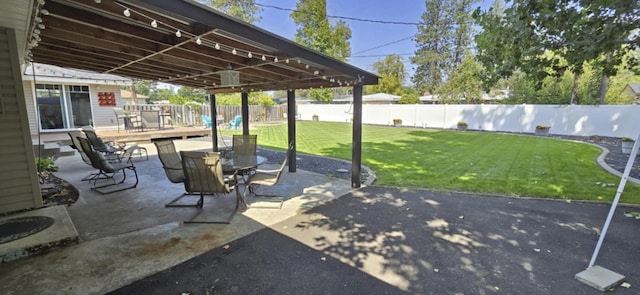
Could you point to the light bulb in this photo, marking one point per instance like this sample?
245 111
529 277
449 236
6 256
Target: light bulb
286 60
264 58
306 66
154 23
217 46
41 26
178 34
198 41
127 13
44 12
234 52
316 72
98 1
275 59
249 55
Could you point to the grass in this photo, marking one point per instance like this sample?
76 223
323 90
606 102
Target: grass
479 162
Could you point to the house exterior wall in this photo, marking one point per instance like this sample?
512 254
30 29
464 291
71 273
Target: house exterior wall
103 117
19 187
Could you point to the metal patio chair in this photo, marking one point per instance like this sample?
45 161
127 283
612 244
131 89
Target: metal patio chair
203 176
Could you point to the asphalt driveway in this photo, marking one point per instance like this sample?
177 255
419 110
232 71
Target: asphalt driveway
381 240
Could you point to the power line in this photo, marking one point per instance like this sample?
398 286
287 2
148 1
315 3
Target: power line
383 45
342 17
380 55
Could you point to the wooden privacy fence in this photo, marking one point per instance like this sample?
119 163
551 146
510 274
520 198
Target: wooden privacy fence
183 115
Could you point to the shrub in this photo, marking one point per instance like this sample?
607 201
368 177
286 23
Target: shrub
462 123
46 165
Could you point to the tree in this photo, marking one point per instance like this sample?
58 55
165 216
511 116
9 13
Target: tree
444 35
246 10
315 31
142 86
192 94
392 74
409 96
577 32
464 83
433 46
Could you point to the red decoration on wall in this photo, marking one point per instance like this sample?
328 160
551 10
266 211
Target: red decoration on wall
107 99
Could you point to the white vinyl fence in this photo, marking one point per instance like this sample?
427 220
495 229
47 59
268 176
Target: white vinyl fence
582 120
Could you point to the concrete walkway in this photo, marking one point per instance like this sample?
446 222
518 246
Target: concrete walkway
129 235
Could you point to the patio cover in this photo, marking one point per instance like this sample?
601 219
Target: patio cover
140 39
185 43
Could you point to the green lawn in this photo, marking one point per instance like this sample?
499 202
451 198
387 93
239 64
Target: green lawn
482 162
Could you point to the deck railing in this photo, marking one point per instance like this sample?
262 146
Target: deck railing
182 115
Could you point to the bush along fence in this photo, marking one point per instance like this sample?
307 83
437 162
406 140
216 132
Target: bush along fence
183 115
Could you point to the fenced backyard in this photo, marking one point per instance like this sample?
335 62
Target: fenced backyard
579 120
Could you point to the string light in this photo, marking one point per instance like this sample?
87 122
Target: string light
44 12
198 40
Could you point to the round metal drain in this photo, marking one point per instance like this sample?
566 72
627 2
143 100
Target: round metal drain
17 228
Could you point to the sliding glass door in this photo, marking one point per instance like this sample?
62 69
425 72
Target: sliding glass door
63 107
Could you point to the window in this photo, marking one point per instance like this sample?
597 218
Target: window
63 107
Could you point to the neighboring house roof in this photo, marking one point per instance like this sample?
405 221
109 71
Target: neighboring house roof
635 87
377 97
126 94
51 73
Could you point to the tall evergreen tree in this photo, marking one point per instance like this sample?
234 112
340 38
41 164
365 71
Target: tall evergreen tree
444 35
433 46
246 10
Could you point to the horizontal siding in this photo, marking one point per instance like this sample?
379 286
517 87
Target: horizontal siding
18 180
103 116
31 106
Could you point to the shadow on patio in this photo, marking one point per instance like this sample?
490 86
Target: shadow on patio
128 235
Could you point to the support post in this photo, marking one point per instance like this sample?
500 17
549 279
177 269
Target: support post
291 127
245 113
356 141
214 122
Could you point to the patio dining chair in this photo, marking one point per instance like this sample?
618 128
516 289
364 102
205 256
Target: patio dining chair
267 178
244 145
107 170
203 175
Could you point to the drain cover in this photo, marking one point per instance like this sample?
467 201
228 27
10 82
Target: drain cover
18 228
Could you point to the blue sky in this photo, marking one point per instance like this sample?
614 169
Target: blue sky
364 35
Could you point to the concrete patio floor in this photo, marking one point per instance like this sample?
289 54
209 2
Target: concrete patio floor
128 235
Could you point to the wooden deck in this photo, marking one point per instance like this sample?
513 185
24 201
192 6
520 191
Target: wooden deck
131 136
